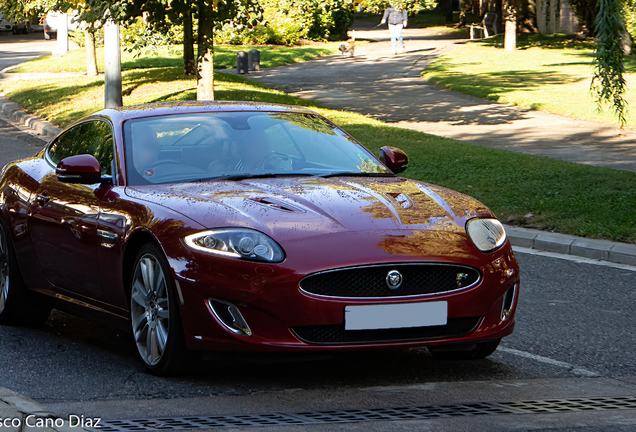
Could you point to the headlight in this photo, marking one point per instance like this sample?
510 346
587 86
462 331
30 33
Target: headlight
486 234
237 243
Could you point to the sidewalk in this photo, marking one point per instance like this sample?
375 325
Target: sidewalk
19 413
389 88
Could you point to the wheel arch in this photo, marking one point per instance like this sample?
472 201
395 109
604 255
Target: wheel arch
134 244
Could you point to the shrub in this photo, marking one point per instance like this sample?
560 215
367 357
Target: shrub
287 22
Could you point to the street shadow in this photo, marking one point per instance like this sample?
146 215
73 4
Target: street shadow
48 93
556 42
66 356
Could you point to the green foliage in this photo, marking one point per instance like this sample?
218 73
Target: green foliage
629 16
287 22
586 11
313 19
608 82
411 6
139 38
21 10
262 34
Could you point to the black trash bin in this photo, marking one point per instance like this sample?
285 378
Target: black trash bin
254 60
241 63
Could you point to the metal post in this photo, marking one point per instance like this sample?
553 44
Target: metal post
241 63
112 68
62 34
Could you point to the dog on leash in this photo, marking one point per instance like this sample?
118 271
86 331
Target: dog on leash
349 46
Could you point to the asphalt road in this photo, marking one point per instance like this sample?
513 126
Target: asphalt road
574 340
20 48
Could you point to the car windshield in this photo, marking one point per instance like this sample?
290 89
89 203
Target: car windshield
237 145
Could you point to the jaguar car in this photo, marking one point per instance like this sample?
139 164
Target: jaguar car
210 226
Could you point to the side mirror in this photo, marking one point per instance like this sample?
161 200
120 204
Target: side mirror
394 158
79 169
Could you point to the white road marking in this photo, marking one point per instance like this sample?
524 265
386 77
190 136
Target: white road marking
547 360
573 258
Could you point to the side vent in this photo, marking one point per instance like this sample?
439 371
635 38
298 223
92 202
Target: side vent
230 317
508 303
278 205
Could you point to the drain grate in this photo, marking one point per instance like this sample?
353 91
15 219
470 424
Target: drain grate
373 414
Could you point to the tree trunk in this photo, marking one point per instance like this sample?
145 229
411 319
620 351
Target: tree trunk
91 57
510 22
205 56
462 13
448 12
189 65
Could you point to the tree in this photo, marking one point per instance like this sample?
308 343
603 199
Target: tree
210 13
161 15
205 57
510 25
608 82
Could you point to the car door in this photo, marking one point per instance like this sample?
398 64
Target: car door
63 216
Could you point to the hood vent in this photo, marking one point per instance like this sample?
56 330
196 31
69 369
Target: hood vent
269 202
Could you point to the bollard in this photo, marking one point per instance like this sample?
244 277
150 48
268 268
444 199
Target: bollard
254 60
241 63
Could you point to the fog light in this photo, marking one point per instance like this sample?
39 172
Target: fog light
230 317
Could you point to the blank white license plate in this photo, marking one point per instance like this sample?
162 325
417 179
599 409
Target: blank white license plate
374 317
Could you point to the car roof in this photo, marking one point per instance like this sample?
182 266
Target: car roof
168 108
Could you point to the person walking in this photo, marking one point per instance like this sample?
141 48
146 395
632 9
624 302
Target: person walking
397 18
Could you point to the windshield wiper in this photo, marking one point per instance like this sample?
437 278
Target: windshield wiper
355 174
245 176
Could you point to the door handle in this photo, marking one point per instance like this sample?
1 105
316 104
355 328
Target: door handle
42 199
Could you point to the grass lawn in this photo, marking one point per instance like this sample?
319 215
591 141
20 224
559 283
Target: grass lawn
561 196
548 73
224 57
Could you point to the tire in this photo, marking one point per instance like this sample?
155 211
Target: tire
154 314
18 306
474 351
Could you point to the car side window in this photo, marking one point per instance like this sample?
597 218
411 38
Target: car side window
94 138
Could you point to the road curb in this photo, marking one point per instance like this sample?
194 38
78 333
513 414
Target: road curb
14 113
604 250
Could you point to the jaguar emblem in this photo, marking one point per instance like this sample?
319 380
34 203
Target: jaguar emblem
394 279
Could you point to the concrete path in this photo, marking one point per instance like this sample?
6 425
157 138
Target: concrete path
15 49
389 88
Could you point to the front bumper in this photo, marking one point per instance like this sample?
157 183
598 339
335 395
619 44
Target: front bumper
281 317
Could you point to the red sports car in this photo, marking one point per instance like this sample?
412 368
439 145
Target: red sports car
238 226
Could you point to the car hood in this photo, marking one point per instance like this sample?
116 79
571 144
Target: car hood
307 206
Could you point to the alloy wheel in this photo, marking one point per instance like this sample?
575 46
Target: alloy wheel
149 310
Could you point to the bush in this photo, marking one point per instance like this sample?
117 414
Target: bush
262 34
287 22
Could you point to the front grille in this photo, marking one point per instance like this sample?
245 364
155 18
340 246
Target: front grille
371 281
336 334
